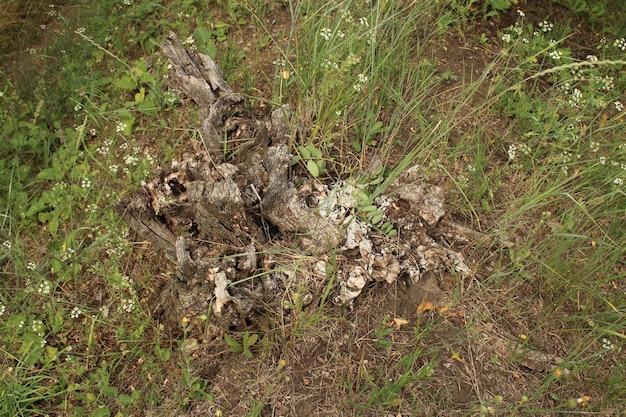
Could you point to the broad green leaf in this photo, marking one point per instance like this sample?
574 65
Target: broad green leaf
313 168
315 153
252 339
202 35
125 400
141 95
304 152
101 412
126 83
109 391
235 346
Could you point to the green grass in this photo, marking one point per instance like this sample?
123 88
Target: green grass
531 151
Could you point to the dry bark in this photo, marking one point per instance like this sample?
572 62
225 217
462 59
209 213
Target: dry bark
219 221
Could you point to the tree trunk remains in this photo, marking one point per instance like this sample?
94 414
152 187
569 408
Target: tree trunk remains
239 232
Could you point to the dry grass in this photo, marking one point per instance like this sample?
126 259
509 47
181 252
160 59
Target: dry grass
20 22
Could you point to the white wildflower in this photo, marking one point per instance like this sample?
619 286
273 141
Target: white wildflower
511 152
76 312
620 43
546 26
120 127
44 287
326 33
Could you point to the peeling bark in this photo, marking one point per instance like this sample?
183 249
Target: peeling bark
224 224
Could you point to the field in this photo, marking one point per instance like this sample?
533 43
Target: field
512 112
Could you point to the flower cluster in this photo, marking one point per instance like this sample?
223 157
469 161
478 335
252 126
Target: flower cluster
511 152
620 43
44 287
606 344
76 312
546 26
361 80
66 253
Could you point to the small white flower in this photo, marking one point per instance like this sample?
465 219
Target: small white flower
524 148
44 287
128 305
85 183
104 311
341 34
3 308
78 107
189 40
363 21
556 55
120 127
66 253
37 327
346 15
31 266
131 160
603 160
80 30
76 312
506 38
7 245
592 58
326 33
511 152
618 181
620 43
546 26
595 146
618 106
521 13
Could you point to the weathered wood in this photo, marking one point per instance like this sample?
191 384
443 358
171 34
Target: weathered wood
218 222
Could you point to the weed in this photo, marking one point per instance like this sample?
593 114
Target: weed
247 342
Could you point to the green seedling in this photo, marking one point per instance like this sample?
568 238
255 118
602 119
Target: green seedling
249 340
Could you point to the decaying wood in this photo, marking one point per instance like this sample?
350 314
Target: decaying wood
224 224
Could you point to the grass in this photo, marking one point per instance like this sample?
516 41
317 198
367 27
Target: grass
529 150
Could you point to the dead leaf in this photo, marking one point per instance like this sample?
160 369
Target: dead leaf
398 322
425 307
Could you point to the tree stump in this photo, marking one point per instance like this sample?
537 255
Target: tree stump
239 232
